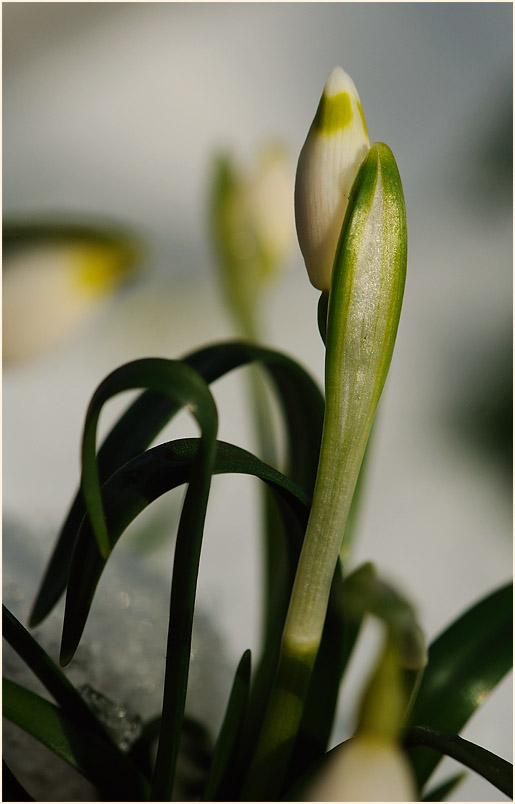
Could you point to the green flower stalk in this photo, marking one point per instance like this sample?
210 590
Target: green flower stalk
366 290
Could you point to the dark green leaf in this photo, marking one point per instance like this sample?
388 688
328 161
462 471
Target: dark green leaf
186 388
182 604
442 791
94 758
227 742
58 685
169 377
488 765
135 486
303 408
464 664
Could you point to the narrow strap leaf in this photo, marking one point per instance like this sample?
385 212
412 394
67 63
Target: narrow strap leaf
171 378
491 767
229 733
303 408
182 604
93 757
464 664
138 483
50 675
442 791
186 388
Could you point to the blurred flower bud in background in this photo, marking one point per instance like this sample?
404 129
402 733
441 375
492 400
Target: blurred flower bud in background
365 768
336 145
371 766
253 229
53 279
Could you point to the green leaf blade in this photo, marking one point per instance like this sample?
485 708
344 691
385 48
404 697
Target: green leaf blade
222 764
303 407
130 490
465 663
93 757
442 791
172 378
57 684
491 767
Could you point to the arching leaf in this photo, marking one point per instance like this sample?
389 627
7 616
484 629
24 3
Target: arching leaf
464 664
303 408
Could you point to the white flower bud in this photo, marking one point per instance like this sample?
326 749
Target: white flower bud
269 207
366 768
336 145
50 288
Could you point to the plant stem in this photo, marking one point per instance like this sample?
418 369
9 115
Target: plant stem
364 308
308 603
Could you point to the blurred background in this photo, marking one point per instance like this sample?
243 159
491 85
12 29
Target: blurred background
115 112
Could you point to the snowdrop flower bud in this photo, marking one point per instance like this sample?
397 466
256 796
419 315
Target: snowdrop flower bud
366 768
371 766
269 207
336 145
253 228
53 282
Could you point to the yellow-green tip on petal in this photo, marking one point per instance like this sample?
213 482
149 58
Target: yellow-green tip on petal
51 285
336 145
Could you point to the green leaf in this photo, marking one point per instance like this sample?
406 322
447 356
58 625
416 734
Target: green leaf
135 486
185 386
442 791
171 378
303 408
50 675
491 767
464 664
227 743
94 758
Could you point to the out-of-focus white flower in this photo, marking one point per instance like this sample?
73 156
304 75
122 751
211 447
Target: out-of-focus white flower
49 288
366 768
336 145
253 228
269 208
371 766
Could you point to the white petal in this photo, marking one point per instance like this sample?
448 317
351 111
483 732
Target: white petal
336 145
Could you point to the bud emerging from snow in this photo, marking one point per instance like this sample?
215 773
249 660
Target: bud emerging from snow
336 145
